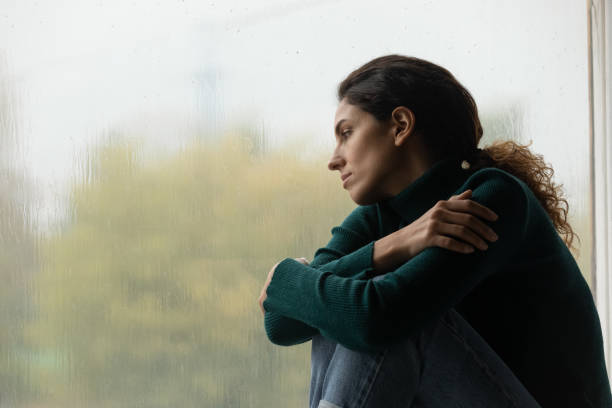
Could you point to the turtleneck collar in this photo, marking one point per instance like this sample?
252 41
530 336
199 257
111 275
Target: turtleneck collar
438 182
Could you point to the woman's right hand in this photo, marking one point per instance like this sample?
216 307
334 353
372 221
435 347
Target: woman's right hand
454 224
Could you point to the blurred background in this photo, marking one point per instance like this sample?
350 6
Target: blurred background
158 158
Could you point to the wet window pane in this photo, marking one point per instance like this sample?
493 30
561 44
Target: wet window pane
158 158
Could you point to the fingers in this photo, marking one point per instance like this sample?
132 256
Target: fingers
472 222
458 224
466 194
302 261
470 239
453 244
472 207
262 297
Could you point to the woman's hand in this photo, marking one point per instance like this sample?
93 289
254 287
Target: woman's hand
263 295
457 217
454 224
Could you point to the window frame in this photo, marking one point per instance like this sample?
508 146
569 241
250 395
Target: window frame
600 121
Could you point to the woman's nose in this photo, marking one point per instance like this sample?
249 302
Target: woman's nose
336 159
334 162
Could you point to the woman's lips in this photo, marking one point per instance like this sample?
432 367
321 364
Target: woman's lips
346 180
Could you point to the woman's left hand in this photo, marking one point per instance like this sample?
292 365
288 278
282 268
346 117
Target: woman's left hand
263 294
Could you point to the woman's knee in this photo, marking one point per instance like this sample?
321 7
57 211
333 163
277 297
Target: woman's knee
372 379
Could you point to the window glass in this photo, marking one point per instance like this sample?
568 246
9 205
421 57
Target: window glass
158 158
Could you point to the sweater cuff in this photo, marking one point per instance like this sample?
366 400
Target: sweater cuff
286 293
288 278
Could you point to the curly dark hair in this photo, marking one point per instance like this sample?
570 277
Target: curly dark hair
447 116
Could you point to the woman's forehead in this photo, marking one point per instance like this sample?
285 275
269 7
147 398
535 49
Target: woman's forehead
346 110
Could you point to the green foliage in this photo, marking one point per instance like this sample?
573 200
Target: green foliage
149 295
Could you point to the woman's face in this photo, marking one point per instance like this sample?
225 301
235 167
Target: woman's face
365 151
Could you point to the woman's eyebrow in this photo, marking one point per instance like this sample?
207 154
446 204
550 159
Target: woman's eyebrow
337 130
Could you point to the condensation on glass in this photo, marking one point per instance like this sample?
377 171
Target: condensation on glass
156 160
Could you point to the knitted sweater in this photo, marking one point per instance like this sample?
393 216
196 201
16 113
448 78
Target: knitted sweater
525 294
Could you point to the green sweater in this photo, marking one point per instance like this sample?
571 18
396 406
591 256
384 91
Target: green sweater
525 294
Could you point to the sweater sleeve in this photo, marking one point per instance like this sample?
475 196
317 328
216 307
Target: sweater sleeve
370 315
347 254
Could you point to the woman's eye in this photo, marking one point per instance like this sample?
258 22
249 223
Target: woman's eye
346 133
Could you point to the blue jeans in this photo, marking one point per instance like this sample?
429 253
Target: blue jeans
448 364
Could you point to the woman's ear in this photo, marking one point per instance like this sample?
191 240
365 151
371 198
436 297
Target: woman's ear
403 122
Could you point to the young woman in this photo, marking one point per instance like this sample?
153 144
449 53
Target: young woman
449 284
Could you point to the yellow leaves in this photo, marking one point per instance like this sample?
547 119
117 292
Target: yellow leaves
163 262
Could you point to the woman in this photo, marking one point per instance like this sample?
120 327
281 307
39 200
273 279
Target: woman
415 301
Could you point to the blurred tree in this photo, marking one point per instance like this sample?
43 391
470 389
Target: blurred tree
17 253
149 295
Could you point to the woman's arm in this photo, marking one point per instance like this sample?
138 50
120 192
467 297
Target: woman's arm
347 254
368 315
455 224
458 217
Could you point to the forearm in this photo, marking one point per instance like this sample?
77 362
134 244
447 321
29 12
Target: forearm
369 314
386 255
347 254
286 331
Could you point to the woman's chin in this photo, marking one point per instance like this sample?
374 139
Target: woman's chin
362 199
352 195
357 198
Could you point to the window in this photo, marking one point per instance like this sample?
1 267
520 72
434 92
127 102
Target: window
156 159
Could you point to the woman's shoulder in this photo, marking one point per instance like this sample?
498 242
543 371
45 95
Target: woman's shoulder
487 173
500 191
499 178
